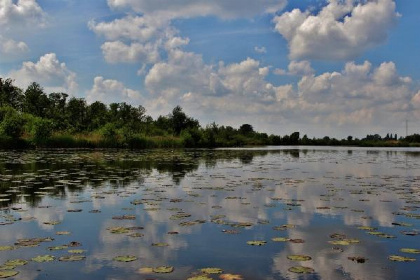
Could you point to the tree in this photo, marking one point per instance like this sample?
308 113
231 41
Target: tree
35 101
76 111
10 95
294 138
246 129
97 114
181 121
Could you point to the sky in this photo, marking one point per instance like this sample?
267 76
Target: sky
320 67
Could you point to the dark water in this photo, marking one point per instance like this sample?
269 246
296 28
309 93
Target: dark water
216 201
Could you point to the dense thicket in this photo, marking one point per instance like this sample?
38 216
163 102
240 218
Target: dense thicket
31 118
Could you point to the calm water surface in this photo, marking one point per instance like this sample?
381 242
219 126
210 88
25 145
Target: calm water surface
196 209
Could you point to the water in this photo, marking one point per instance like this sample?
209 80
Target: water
196 209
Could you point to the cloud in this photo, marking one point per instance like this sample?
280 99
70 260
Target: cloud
109 91
117 51
49 72
195 8
341 30
296 68
12 47
358 97
21 12
150 22
260 50
137 28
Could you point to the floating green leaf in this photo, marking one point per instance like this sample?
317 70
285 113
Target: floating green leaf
7 248
280 239
410 251
160 244
72 258
299 258
57 248
16 262
211 270
256 243
8 273
396 258
301 270
44 258
76 251
163 269
125 258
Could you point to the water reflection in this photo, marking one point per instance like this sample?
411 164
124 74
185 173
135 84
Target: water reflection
202 206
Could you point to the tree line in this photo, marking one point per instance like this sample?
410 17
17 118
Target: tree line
33 118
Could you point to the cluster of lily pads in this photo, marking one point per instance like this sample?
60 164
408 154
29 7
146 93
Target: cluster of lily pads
120 175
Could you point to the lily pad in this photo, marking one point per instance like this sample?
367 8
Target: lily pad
7 267
57 248
160 244
410 251
118 230
280 239
163 269
301 270
344 242
8 273
16 262
76 251
299 258
44 258
256 243
72 258
7 248
211 270
125 258
396 258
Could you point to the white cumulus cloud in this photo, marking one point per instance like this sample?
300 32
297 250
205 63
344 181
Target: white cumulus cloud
49 72
118 51
12 47
108 91
20 12
341 30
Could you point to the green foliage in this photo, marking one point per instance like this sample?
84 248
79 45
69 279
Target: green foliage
10 95
42 130
12 124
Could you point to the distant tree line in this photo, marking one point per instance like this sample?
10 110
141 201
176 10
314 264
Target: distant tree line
33 118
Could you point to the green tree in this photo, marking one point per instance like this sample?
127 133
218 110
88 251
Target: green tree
181 121
246 129
35 101
10 95
76 113
98 115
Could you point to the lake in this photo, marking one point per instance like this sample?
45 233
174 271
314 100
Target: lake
258 213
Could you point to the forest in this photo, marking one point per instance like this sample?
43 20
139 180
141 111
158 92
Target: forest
31 118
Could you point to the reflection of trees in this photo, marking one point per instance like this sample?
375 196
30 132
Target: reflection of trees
29 175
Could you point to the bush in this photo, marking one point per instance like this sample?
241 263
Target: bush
41 131
12 125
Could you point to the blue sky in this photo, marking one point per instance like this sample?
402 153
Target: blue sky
336 67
